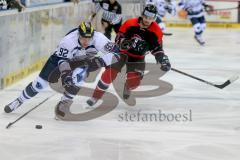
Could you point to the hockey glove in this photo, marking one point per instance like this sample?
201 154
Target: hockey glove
95 63
164 61
134 44
208 8
66 77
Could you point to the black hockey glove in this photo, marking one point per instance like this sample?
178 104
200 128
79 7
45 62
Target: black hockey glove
66 77
134 44
165 64
164 61
95 63
208 8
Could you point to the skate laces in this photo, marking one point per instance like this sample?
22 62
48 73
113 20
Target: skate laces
15 104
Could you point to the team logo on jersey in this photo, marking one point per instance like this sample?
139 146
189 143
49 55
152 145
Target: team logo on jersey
109 46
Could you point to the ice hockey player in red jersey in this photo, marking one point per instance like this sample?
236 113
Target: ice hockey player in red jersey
136 38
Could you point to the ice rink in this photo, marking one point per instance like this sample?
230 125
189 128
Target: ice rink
212 134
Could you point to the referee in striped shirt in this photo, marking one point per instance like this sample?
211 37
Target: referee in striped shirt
111 17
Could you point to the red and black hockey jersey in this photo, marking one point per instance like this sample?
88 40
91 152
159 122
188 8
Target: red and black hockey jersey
151 35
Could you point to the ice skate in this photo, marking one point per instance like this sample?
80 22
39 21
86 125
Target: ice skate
13 105
199 39
91 102
62 107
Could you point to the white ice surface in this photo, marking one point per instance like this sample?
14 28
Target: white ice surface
213 133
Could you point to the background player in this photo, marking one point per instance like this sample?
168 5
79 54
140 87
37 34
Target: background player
163 7
111 17
195 12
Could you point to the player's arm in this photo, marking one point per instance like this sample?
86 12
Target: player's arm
64 53
183 5
157 50
208 8
98 6
122 35
122 39
107 51
161 58
171 8
118 17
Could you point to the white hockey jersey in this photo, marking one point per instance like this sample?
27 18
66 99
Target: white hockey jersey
163 6
70 47
193 7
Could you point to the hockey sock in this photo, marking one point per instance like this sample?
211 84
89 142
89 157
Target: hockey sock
133 80
108 76
28 93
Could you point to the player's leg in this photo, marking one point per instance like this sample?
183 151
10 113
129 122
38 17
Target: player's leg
135 73
117 26
108 76
107 29
63 106
33 88
66 101
198 30
203 23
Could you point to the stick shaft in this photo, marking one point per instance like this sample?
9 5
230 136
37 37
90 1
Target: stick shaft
220 86
11 123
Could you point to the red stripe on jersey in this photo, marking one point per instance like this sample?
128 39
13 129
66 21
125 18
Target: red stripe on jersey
129 23
154 27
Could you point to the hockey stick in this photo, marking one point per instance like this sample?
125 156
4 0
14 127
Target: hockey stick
220 9
223 9
220 86
167 34
11 123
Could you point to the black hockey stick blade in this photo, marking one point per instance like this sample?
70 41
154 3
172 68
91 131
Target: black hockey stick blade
167 34
221 86
228 82
9 125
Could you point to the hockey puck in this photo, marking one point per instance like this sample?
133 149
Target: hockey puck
38 126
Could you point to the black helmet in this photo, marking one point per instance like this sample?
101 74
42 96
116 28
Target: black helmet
150 10
86 29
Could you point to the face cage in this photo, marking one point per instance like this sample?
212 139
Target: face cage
149 14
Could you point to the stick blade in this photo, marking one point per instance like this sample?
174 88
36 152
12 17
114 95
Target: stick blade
9 125
228 82
167 34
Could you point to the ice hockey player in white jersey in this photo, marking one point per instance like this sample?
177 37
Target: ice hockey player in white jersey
163 7
76 55
195 12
